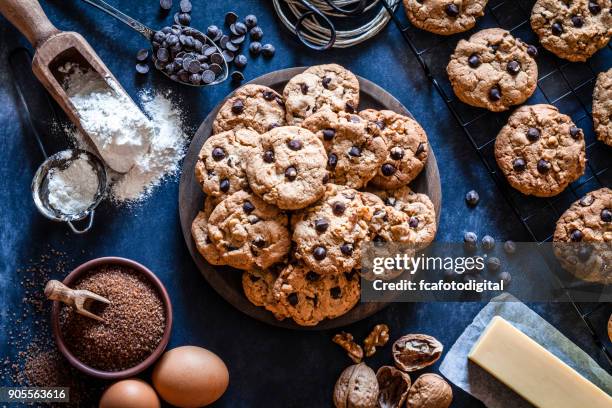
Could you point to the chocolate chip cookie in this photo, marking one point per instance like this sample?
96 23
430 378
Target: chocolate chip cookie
444 17
407 147
252 106
602 107
328 235
406 217
258 285
353 153
572 29
309 297
248 232
321 86
493 70
583 237
220 166
199 232
540 150
288 168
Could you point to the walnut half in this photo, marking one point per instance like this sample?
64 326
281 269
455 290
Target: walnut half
377 338
346 341
413 352
393 385
430 391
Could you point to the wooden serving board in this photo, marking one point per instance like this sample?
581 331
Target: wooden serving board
228 281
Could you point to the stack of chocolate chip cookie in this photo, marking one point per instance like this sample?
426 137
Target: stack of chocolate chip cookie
296 183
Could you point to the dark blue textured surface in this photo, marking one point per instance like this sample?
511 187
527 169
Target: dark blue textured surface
268 366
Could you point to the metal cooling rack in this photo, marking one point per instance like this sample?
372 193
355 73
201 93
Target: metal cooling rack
566 85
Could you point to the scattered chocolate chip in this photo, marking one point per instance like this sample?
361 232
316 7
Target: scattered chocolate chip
488 242
413 222
238 107
294 144
388 169
228 56
291 173
557 28
321 225
255 48
355 152
472 198
519 164
224 185
165 4
513 67
577 21
237 76
293 299
469 240
248 207
543 166
606 215
183 19
218 153
268 50
338 208
397 153
346 249
335 292
332 160
495 93
532 50
240 61
230 18
325 82
142 55
575 132
474 60
239 28
185 6
451 10
493 263
328 134
319 253
576 235
506 278
256 33
142 68
594 8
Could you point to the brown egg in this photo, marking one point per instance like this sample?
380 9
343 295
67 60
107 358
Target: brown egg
131 393
190 377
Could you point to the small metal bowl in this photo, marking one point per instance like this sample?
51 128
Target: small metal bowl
40 191
147 362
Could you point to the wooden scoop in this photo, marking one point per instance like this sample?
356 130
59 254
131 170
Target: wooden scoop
53 49
56 290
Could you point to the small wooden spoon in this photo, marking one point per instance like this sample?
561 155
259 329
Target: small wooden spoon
54 48
56 290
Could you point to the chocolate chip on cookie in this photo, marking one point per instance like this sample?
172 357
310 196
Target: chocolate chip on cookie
220 166
540 150
602 107
583 237
493 70
407 147
320 87
252 106
288 167
574 29
323 232
444 17
354 154
248 232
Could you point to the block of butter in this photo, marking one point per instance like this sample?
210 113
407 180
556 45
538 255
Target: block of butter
532 371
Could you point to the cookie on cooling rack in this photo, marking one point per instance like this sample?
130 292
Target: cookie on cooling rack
602 107
444 17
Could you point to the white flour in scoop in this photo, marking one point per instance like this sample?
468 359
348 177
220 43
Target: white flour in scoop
151 146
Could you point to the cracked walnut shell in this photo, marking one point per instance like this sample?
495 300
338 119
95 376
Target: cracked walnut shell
356 387
393 385
413 352
429 391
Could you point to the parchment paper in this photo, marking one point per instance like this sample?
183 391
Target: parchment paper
484 386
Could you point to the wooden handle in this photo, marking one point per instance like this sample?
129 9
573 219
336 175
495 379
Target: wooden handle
29 18
56 290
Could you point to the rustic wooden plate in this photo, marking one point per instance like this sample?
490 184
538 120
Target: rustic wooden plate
227 281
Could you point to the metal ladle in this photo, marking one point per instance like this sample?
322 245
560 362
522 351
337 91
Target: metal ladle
149 34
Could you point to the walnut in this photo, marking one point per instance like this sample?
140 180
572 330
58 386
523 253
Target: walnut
429 391
416 351
354 350
356 387
393 385
377 338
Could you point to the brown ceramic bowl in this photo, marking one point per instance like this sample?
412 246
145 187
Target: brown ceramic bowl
132 371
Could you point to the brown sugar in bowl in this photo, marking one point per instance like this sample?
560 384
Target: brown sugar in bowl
74 277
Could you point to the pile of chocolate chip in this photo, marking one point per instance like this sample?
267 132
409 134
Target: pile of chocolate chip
187 56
